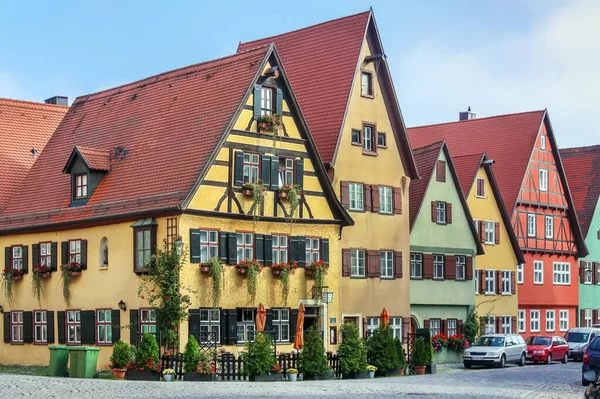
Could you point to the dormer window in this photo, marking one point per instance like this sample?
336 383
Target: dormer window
81 186
266 106
86 166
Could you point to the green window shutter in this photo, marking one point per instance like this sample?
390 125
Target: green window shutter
27 327
232 248
25 259
7 327
7 256
301 251
266 170
274 173
293 324
194 246
116 324
84 254
62 336
232 327
238 170
54 255
259 244
279 102
88 327
35 255
325 250
50 326
64 252
300 173
194 325
133 327
223 246
257 101
268 250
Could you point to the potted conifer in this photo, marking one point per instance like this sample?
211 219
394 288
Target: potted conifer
353 353
419 356
313 361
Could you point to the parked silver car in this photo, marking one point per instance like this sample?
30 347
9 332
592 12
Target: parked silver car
579 338
496 350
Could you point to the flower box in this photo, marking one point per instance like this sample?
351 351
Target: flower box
267 377
247 192
241 270
282 195
46 275
309 273
142 375
199 377
205 269
74 274
276 272
15 278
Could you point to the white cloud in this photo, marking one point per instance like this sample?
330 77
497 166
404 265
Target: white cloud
554 65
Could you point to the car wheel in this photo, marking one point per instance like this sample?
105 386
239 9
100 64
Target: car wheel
549 358
584 382
565 359
522 361
467 365
502 362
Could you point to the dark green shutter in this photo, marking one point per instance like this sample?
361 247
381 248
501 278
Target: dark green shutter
27 327
64 252
133 327
50 326
232 318
257 101
84 254
232 248
269 323
268 250
116 324
88 327
293 255
301 251
274 173
35 255
259 244
279 102
238 169
62 337
300 173
224 337
325 250
54 256
25 259
223 246
293 323
266 170
7 327
194 246
194 324
7 257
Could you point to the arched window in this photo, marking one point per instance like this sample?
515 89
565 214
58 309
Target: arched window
103 253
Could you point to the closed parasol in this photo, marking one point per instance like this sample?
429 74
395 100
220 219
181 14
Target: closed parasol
384 317
261 317
299 340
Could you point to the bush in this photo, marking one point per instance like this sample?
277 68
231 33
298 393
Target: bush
419 355
400 352
147 353
313 359
382 350
191 355
259 358
121 355
471 327
353 353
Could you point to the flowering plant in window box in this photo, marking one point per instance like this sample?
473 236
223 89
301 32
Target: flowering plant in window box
270 122
74 268
67 272
457 342
257 192
38 273
317 270
9 275
43 271
214 267
249 188
14 274
250 268
286 190
439 342
283 271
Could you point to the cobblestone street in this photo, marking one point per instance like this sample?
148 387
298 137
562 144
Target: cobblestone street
555 381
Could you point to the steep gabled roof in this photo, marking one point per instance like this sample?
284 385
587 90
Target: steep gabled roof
92 158
466 168
321 62
24 126
582 166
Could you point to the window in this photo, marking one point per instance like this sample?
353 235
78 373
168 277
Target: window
506 282
550 320
45 254
40 327
440 171
17 258
81 186
381 140
534 320
73 327
562 273
520 273
143 247
368 138
490 282
441 212
521 321
434 326
588 272
416 265
266 101
356 137
245 325
549 227
313 250
480 187
490 325
147 321
506 325
476 281
366 84
245 246
451 327
357 263
372 325
386 260
281 324
385 199
543 180
538 272
210 325
531 225
476 223
396 327
75 251
438 266
280 249
564 320
251 170
286 171
356 197
16 327
490 232
209 245
104 326
461 265
543 142
588 317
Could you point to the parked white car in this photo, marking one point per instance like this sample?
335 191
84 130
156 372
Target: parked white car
496 350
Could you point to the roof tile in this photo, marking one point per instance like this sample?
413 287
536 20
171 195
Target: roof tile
425 158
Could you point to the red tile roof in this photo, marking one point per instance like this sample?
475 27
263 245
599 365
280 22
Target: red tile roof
425 158
23 126
582 167
466 168
95 159
171 123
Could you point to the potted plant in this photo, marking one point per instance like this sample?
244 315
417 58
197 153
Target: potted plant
250 269
270 122
121 356
9 276
313 361
317 270
371 369
39 273
197 365
353 353
383 353
67 272
419 356
283 271
439 342
215 266
292 374
258 360
168 375
146 365
74 269
401 355
257 192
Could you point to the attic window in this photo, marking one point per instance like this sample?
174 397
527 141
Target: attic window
366 84
80 185
266 106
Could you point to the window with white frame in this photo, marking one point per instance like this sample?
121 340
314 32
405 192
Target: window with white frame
477 281
75 251
286 171
520 274
534 320
372 325
210 325
103 326
209 245
506 282
148 321
588 272
81 186
506 325
461 266
73 327
543 142
245 325
266 101
490 282
562 273
588 317
438 266
476 223
357 263
490 325
17 258
564 320
245 246
435 326
452 328
313 249
281 324
251 168
521 321
368 137
16 327
550 320
441 212
386 260
385 199
396 327
538 272
40 327
416 265
549 227
490 232
531 224
543 180
356 197
45 254
280 249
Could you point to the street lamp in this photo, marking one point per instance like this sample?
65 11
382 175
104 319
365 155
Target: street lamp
178 246
122 305
327 296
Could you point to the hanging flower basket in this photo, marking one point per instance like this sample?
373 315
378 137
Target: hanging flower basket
20 277
74 269
310 269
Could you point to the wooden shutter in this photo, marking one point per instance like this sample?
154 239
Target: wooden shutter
62 337
35 256
497 232
84 250
238 169
513 282
293 323
301 252
444 327
440 171
498 281
54 255
482 322
426 324
595 316
232 248
269 320
398 264
274 174
50 326
7 327
450 268
257 101
116 324
459 327
582 271
194 245
373 264
482 281
481 230
133 326
595 273
269 250
194 323
300 173
513 324
345 194
232 326
428 266
325 250
7 257
434 211
293 254
397 200
448 213
25 254
223 246
480 187
345 262
259 247
279 101
265 170
88 327
405 328
375 200
582 318
469 268
368 195
498 324
27 327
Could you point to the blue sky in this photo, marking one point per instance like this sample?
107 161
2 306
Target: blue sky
496 56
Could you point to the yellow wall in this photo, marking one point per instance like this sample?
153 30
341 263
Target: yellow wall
496 257
367 297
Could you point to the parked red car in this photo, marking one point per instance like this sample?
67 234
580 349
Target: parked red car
545 348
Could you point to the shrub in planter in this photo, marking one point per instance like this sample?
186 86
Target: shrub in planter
146 365
401 355
353 352
292 374
197 365
313 361
420 356
191 355
258 360
383 352
121 356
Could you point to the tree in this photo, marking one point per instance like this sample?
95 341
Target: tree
313 359
382 350
191 356
353 353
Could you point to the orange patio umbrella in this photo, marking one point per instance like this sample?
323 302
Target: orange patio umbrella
299 340
261 317
384 317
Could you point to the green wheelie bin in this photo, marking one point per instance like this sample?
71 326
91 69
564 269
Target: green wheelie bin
84 360
59 357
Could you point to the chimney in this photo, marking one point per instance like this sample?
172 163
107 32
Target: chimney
57 100
465 116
